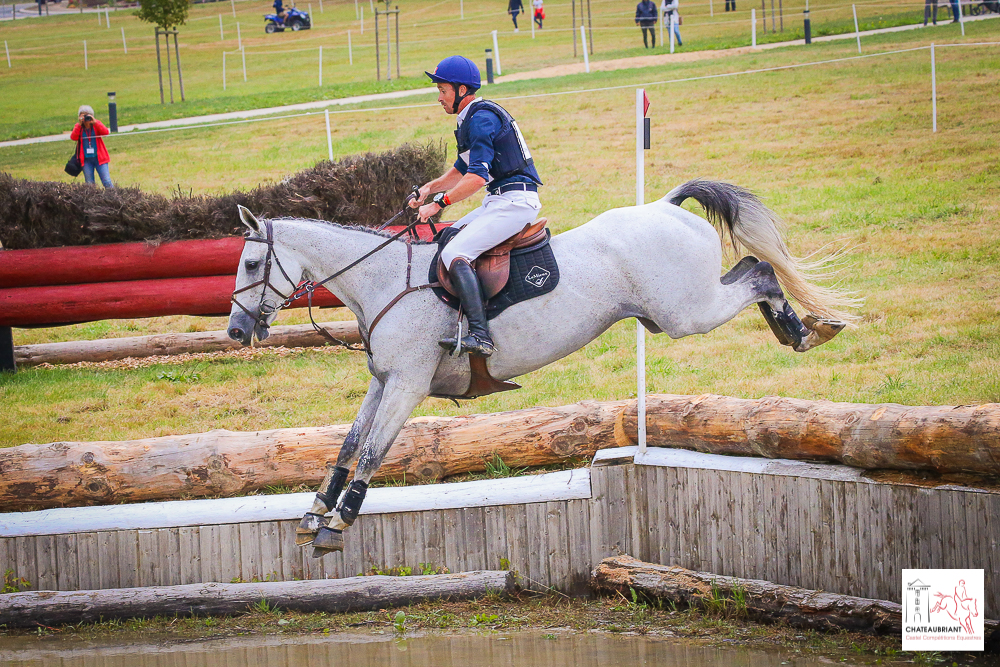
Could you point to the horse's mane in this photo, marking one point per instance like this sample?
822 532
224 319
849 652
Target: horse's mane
357 228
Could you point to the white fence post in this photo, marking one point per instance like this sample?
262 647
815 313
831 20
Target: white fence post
670 29
362 20
933 90
660 26
107 18
239 36
223 70
320 6
461 9
961 22
124 43
496 52
329 137
7 49
98 16
857 32
312 23
583 41
532 24
356 10
244 55
753 27
640 331
233 3
321 67
711 8
222 35
86 63
350 50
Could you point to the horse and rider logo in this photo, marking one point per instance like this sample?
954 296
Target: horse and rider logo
537 276
942 609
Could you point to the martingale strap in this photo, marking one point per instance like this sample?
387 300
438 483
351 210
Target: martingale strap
408 290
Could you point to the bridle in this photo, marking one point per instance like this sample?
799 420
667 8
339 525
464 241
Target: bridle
307 287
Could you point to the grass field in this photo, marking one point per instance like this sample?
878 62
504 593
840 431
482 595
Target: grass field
47 80
843 151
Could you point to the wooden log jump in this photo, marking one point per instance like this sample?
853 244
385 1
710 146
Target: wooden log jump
137 347
327 595
944 439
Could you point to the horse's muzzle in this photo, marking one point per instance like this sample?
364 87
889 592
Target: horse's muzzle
239 335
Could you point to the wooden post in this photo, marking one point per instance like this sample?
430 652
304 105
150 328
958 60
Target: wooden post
180 76
159 64
7 362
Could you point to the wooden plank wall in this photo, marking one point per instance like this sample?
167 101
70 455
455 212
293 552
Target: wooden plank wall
846 537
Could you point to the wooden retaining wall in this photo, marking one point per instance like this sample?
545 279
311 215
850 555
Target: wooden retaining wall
811 525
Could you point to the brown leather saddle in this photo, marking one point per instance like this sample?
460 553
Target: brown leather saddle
493 266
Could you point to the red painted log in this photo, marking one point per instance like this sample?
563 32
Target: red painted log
74 265
114 262
65 304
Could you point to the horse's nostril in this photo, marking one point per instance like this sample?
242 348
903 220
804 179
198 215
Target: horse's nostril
236 333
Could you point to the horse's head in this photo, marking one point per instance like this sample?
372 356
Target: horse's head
266 277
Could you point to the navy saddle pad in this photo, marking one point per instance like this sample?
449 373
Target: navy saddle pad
533 272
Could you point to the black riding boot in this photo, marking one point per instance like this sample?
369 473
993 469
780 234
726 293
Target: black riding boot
466 283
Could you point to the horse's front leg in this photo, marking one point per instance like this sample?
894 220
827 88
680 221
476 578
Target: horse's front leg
336 475
398 400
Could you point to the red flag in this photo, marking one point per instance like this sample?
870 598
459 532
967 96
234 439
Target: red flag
645 104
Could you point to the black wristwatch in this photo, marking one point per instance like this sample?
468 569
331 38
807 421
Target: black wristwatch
441 199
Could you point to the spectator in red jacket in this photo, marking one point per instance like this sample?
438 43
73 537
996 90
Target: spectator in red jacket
93 155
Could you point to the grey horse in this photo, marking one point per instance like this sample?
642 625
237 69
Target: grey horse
658 263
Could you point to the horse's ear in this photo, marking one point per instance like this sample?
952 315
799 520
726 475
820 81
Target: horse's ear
248 219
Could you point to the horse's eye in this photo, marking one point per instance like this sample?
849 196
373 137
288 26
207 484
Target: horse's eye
252 264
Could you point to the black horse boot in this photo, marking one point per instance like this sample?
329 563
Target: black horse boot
470 293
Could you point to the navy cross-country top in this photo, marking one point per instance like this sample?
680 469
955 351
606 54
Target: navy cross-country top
484 127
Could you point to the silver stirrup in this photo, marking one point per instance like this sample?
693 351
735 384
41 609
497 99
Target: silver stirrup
457 351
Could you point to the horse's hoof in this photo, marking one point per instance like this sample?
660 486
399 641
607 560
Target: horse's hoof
306 531
820 331
327 541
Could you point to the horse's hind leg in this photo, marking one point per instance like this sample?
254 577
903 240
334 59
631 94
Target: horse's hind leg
336 475
785 324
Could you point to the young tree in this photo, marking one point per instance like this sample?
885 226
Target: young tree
165 14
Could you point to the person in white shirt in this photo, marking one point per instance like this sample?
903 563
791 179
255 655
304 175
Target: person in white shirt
539 12
670 17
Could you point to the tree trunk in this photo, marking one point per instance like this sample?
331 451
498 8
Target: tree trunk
799 607
110 349
48 608
228 463
963 438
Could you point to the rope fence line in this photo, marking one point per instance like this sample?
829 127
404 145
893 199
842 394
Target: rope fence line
578 91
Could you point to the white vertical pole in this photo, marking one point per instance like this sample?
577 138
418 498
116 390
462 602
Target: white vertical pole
86 64
350 50
223 70
670 29
310 11
233 3
711 8
961 23
753 27
7 49
321 67
583 41
857 33
362 20
532 17
98 16
496 52
661 30
239 36
320 6
244 55
933 90
124 43
222 35
371 5
356 15
107 18
461 9
329 137
640 331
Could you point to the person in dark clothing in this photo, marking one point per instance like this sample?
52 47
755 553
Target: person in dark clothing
645 18
730 5
514 7
928 4
279 9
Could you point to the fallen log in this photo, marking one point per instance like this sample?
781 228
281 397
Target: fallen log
227 463
947 439
761 600
112 349
48 608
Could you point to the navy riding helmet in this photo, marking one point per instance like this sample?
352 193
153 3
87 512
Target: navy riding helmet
458 71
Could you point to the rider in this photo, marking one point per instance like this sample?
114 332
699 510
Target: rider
279 9
491 152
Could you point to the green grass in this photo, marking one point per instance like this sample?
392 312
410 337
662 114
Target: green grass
843 152
47 81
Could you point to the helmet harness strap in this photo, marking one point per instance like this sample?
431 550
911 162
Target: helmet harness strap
458 97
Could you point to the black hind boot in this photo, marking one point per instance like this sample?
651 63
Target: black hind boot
470 293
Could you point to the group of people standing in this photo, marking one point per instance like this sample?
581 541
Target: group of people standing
646 16
931 7
515 7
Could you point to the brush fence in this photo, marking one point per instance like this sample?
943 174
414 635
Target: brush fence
817 526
